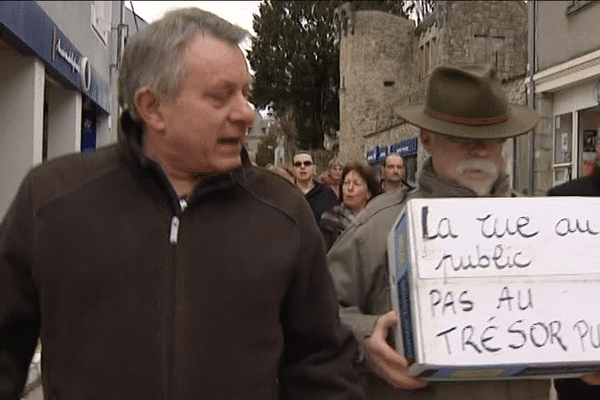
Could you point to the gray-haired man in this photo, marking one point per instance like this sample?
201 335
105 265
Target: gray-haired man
155 269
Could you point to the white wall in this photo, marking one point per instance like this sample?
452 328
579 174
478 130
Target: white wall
104 133
575 98
21 113
64 121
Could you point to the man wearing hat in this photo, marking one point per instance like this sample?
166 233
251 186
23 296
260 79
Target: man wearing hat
464 124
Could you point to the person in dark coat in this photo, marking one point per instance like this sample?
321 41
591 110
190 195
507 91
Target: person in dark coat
586 186
161 267
320 197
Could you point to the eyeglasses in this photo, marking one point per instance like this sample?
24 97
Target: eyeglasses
298 164
467 141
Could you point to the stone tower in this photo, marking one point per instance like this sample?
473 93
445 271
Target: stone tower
375 65
386 61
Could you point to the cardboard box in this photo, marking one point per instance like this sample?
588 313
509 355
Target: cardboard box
492 288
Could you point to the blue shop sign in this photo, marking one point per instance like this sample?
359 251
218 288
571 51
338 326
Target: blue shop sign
372 154
382 152
405 147
32 31
67 60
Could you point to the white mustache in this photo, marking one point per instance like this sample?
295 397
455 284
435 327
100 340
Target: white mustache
481 165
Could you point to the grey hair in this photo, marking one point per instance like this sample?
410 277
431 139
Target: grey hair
153 58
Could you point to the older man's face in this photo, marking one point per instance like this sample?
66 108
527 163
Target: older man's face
205 126
474 164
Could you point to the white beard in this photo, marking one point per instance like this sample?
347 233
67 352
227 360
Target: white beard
484 187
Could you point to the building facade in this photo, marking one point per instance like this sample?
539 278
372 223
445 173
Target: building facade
565 52
256 134
59 63
385 62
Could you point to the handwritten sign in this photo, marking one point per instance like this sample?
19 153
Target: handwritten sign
497 288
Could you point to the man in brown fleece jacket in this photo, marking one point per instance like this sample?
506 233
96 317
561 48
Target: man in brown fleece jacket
167 266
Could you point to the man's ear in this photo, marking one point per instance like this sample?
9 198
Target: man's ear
147 106
426 138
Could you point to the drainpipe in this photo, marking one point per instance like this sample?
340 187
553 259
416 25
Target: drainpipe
532 67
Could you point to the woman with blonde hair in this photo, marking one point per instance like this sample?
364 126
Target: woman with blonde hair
333 176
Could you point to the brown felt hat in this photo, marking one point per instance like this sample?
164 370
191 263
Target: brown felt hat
468 102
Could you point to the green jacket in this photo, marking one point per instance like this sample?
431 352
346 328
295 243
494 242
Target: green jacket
358 262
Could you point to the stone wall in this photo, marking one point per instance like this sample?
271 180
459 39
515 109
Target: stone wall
375 66
484 32
385 61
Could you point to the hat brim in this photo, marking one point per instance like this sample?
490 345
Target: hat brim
521 120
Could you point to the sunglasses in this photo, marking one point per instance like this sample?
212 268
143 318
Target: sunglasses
298 164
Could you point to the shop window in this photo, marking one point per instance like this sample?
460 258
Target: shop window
428 57
433 53
425 59
563 142
489 47
563 128
497 53
89 127
480 49
588 126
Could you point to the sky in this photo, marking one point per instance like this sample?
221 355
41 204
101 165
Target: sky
236 12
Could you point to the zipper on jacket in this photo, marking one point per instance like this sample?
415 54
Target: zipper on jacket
171 384
183 204
174 230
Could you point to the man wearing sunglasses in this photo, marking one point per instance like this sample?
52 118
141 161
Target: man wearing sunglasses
319 197
464 124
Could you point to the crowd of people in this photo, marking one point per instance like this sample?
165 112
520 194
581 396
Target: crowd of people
465 141
342 191
168 266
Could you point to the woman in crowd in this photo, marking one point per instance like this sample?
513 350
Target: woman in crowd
358 185
333 176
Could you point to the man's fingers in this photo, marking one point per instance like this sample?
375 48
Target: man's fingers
401 381
387 354
388 320
397 375
378 344
384 361
593 379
